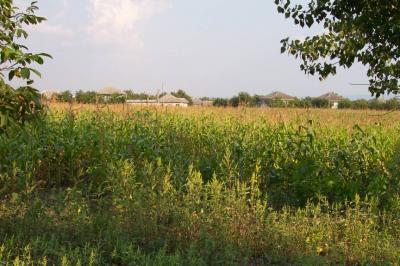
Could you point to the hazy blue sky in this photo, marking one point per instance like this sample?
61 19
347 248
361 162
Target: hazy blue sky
208 48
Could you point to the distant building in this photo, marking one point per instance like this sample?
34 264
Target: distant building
166 100
199 102
333 99
276 96
109 92
171 100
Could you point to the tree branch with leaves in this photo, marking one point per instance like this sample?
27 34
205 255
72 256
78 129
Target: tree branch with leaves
364 31
18 105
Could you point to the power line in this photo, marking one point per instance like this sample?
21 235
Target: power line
358 84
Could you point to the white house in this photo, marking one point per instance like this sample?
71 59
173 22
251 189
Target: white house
171 100
333 99
108 92
166 100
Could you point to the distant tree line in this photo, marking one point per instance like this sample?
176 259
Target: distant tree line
242 99
87 97
375 104
245 99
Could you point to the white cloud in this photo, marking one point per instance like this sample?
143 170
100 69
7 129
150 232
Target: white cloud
117 20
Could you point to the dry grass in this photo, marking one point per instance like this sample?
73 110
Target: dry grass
323 117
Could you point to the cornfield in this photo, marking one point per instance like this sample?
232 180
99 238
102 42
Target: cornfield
117 185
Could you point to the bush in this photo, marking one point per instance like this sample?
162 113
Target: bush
361 104
86 97
220 102
65 97
345 104
320 103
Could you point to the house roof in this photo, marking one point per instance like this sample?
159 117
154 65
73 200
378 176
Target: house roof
331 96
279 95
169 98
109 91
197 101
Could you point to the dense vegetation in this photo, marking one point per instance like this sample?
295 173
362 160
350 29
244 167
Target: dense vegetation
179 188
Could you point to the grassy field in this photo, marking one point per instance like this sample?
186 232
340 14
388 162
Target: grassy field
120 185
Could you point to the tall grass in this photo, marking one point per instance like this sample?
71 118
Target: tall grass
161 187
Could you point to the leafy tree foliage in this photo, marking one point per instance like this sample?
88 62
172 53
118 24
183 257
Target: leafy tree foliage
234 101
17 105
255 101
365 31
320 103
345 104
130 95
86 96
244 98
304 103
374 104
276 103
361 104
65 97
116 98
220 102
392 104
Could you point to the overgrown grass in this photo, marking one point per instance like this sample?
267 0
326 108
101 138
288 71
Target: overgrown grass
168 188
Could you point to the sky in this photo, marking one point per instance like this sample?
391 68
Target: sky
213 48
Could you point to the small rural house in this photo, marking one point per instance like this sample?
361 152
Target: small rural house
197 102
108 92
166 100
333 99
276 96
171 100
200 102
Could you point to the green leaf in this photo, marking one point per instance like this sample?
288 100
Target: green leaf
11 74
309 20
45 55
25 73
36 72
39 60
